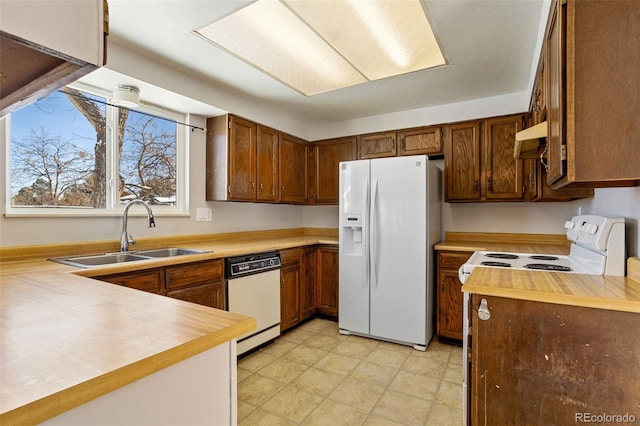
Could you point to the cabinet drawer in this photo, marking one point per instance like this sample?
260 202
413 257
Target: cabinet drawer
208 295
148 280
289 256
452 260
194 273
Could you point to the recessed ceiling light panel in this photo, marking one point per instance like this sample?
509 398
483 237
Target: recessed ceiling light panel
318 46
381 38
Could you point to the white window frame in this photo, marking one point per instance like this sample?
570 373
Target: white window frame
114 208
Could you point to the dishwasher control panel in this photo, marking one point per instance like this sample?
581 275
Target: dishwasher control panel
251 264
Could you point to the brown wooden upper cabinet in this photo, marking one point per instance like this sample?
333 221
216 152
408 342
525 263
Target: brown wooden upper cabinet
377 145
293 169
462 161
324 163
591 84
421 141
479 163
535 175
250 162
267 164
502 177
242 159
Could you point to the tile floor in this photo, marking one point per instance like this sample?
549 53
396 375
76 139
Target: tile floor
313 375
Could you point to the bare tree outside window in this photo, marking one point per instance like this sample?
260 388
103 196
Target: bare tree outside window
148 159
59 153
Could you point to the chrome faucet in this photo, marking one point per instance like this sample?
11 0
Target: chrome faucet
127 239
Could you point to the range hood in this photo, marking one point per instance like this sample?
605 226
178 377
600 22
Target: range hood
528 140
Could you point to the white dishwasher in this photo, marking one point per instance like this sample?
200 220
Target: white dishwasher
253 289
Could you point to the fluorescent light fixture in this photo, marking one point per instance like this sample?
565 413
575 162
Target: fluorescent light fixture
319 46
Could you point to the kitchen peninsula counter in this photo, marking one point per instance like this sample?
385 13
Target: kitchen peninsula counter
68 339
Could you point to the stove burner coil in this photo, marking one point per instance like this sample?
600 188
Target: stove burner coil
548 267
541 257
499 264
502 256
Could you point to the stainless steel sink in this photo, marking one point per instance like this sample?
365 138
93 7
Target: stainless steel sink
98 260
111 258
169 252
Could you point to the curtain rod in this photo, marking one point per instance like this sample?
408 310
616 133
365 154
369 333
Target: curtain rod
134 110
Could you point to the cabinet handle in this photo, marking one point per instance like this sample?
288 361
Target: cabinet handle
476 185
253 184
442 285
490 185
282 189
402 145
483 310
260 187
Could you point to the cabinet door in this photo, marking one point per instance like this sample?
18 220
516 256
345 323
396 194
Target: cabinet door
555 96
502 178
537 363
289 296
327 284
449 304
151 280
326 158
267 164
242 159
190 274
377 145
537 188
293 169
308 282
462 161
211 294
425 140
449 294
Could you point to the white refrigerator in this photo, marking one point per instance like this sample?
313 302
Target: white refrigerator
390 214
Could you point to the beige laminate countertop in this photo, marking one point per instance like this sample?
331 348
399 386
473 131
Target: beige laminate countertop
67 339
591 291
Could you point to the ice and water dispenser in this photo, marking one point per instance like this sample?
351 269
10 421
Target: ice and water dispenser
352 227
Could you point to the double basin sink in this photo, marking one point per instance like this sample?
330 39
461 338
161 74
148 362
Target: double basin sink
112 258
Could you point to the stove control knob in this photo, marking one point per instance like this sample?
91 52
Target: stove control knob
483 310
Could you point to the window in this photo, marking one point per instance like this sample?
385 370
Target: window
72 152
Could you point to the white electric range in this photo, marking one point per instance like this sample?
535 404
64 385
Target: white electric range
597 248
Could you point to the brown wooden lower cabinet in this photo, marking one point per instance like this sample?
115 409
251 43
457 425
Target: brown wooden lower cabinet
449 294
289 288
327 284
309 283
151 280
208 294
536 363
308 274
197 282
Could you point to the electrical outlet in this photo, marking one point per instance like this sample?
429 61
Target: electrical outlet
203 215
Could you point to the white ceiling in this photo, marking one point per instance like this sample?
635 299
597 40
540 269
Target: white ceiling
490 46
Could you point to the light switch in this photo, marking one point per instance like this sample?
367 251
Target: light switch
204 215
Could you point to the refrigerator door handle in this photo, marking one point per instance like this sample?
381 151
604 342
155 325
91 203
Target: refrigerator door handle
365 243
373 224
